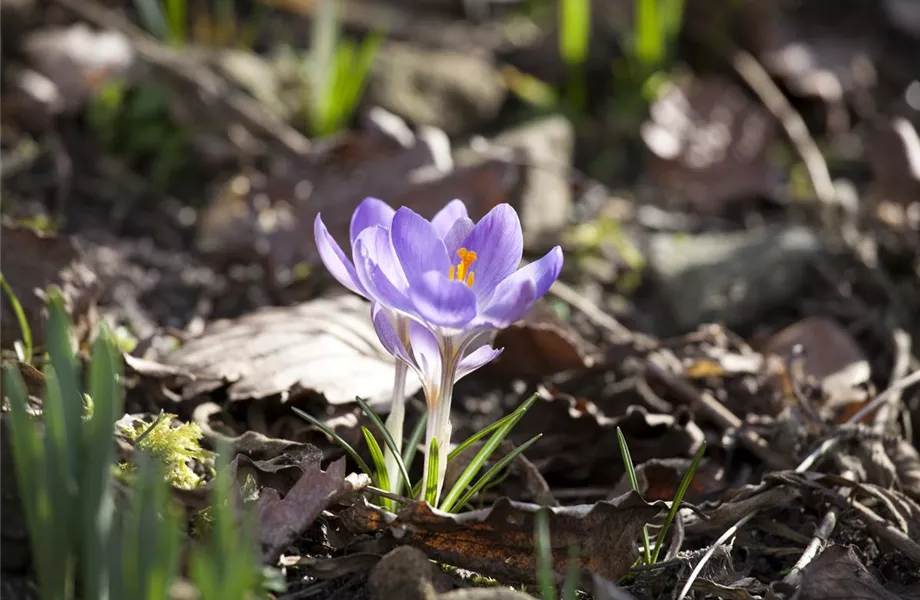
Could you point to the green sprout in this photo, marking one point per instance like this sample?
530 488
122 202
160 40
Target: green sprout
544 550
464 489
650 554
335 72
24 349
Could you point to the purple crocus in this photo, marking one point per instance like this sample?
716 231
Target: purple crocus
452 281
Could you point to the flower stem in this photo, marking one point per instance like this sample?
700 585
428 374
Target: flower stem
439 426
396 420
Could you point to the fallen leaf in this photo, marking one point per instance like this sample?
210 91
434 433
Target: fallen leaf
541 344
838 573
659 479
499 541
708 143
830 359
31 263
327 346
281 520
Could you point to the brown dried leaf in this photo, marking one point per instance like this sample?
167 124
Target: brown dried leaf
838 573
832 361
541 344
709 143
328 346
31 263
499 541
281 520
659 479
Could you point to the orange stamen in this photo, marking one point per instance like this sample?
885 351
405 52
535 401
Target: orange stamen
462 271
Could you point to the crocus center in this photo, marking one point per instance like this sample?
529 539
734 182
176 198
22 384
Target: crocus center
462 272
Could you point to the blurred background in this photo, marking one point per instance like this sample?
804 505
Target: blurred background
691 156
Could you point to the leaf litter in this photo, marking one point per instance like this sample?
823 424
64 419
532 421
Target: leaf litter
762 325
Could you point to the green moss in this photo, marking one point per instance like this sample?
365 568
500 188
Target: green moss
177 446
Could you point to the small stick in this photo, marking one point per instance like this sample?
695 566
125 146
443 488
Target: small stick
792 122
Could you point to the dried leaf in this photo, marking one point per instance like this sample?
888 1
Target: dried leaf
838 573
499 541
281 520
541 344
327 346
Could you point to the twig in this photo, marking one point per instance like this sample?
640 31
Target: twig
792 122
886 412
720 415
806 464
594 313
816 545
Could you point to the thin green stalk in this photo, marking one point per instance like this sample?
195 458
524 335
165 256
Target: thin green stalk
678 498
431 479
24 327
382 480
495 470
387 438
338 439
634 484
394 425
543 544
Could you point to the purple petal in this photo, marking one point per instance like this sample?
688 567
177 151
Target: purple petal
456 235
542 272
475 359
388 336
370 212
442 302
499 244
418 246
447 216
378 270
510 301
427 353
335 259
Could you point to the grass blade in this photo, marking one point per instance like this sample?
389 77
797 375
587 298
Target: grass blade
337 438
382 479
544 550
634 484
21 319
518 412
574 31
412 443
678 498
483 455
495 470
387 439
570 585
431 483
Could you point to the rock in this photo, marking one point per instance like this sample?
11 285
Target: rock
78 60
452 91
496 593
405 573
546 145
731 278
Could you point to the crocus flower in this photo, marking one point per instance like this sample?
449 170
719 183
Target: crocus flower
453 281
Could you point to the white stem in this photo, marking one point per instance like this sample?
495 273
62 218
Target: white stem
395 422
438 426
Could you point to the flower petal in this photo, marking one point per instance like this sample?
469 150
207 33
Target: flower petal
335 259
388 336
458 232
426 352
447 216
543 272
378 270
498 243
442 302
371 211
476 359
417 245
510 301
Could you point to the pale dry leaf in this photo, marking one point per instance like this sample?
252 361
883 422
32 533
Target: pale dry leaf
327 346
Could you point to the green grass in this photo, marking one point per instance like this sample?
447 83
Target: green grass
87 542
